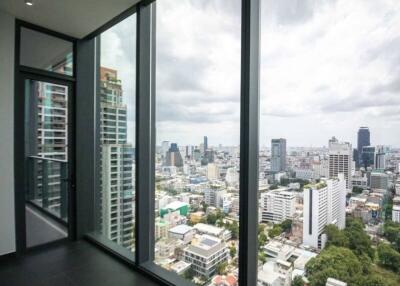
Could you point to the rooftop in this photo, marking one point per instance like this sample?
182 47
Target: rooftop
316 186
181 229
209 229
175 205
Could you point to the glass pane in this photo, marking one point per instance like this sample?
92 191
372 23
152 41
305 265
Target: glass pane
197 138
46 150
116 196
47 140
41 51
329 158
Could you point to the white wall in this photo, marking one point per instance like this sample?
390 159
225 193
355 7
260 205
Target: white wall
7 219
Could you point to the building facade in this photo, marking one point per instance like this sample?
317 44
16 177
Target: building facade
277 205
324 203
363 139
278 155
340 161
117 159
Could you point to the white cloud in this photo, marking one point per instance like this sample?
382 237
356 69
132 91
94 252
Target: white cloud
327 67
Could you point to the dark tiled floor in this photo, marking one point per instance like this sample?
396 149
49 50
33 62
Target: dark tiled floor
70 264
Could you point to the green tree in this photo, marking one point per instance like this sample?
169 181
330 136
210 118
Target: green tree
359 242
286 225
232 251
374 280
261 228
391 231
234 228
297 281
211 218
221 268
262 239
262 257
189 274
275 231
389 257
335 236
336 262
357 190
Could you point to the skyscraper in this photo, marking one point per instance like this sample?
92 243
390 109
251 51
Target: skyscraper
165 147
324 203
340 160
117 158
367 157
174 157
278 155
380 157
363 139
48 135
205 142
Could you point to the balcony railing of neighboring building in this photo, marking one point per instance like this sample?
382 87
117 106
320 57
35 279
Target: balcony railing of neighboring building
48 185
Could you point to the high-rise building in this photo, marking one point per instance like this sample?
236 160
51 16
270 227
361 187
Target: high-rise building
324 203
212 172
379 180
363 139
196 154
48 136
396 209
174 157
277 205
164 148
368 157
333 140
205 142
117 159
380 158
208 157
340 161
278 155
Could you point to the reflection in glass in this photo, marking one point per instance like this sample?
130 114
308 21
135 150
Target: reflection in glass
116 195
47 145
41 51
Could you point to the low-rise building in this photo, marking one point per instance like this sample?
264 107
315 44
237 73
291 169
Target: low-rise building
279 250
205 253
219 232
277 205
161 228
180 267
182 232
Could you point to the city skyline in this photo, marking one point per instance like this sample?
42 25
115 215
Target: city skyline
267 145
336 82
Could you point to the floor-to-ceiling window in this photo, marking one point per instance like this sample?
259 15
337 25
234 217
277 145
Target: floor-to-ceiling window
329 92
197 139
115 191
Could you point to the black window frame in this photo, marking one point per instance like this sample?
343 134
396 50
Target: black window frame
21 73
88 153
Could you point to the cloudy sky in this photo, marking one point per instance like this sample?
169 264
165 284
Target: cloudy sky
327 67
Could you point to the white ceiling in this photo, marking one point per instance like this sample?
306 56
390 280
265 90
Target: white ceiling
76 18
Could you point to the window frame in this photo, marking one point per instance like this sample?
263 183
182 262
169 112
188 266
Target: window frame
87 74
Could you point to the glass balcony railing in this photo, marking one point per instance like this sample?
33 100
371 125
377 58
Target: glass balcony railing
48 185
